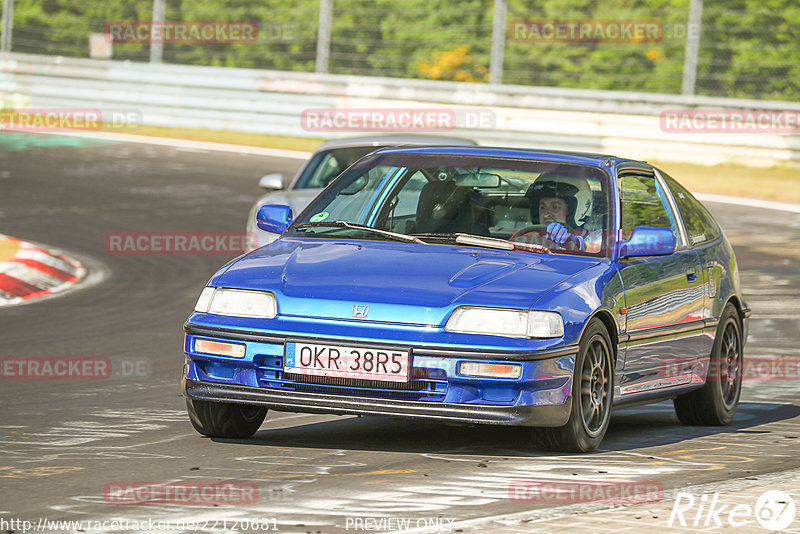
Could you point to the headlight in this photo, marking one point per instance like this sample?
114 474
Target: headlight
237 302
500 322
545 324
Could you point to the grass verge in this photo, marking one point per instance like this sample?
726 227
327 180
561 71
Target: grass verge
224 136
781 184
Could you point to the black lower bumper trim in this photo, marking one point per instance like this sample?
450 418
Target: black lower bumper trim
303 402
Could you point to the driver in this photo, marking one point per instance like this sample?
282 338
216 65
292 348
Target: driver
563 202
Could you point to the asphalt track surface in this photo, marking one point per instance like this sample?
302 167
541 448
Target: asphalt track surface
62 442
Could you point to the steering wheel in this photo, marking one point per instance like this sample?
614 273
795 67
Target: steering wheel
539 228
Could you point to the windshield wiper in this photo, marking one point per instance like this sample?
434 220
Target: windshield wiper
344 224
489 242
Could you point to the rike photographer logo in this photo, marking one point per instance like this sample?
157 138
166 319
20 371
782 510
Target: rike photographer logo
774 510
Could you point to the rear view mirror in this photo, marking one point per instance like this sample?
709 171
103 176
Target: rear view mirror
271 182
479 179
648 241
274 218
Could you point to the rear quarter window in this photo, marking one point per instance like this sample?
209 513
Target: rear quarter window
700 225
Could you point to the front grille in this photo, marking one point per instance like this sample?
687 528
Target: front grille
421 386
356 383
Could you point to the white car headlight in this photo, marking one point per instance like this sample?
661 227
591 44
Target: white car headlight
237 302
502 322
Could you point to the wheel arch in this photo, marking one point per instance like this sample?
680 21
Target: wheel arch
737 303
604 316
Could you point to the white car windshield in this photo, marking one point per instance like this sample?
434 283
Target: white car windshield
325 166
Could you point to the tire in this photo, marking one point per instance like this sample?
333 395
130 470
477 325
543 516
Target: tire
716 402
224 420
592 393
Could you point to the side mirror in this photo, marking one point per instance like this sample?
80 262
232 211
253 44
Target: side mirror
274 218
648 241
271 182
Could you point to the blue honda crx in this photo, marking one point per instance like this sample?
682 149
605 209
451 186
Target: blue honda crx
481 285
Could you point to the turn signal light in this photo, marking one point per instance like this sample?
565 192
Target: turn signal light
490 370
220 348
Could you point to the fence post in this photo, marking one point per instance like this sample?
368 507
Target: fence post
498 42
324 35
692 47
156 48
8 25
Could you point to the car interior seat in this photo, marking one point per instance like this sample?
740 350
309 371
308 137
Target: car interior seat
445 208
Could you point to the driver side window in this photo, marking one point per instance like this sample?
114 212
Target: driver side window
643 204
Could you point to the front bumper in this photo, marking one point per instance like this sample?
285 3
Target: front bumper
292 401
541 396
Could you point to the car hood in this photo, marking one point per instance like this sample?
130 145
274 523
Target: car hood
399 282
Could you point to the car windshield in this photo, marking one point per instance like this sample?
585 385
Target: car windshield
558 207
328 164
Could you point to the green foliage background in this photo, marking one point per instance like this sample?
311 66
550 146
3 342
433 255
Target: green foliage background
749 48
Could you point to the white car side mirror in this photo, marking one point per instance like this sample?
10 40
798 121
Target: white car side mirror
271 181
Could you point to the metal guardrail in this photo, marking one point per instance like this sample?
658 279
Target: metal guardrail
271 102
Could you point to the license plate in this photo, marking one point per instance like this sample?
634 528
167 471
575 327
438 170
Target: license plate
347 362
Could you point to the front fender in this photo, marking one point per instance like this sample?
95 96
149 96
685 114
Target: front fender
582 297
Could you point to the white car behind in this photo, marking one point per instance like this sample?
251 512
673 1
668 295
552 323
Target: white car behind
325 164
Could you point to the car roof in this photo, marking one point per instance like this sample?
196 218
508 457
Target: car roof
584 158
395 140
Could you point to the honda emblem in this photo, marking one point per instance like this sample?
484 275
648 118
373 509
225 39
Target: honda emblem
360 310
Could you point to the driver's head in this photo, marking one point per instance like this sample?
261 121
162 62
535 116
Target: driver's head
560 196
552 209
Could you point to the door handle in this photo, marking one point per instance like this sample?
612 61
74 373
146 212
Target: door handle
691 274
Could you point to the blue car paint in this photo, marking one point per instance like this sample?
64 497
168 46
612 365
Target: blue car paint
436 279
317 281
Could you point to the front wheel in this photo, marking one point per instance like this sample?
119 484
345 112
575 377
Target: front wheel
224 420
715 404
592 390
